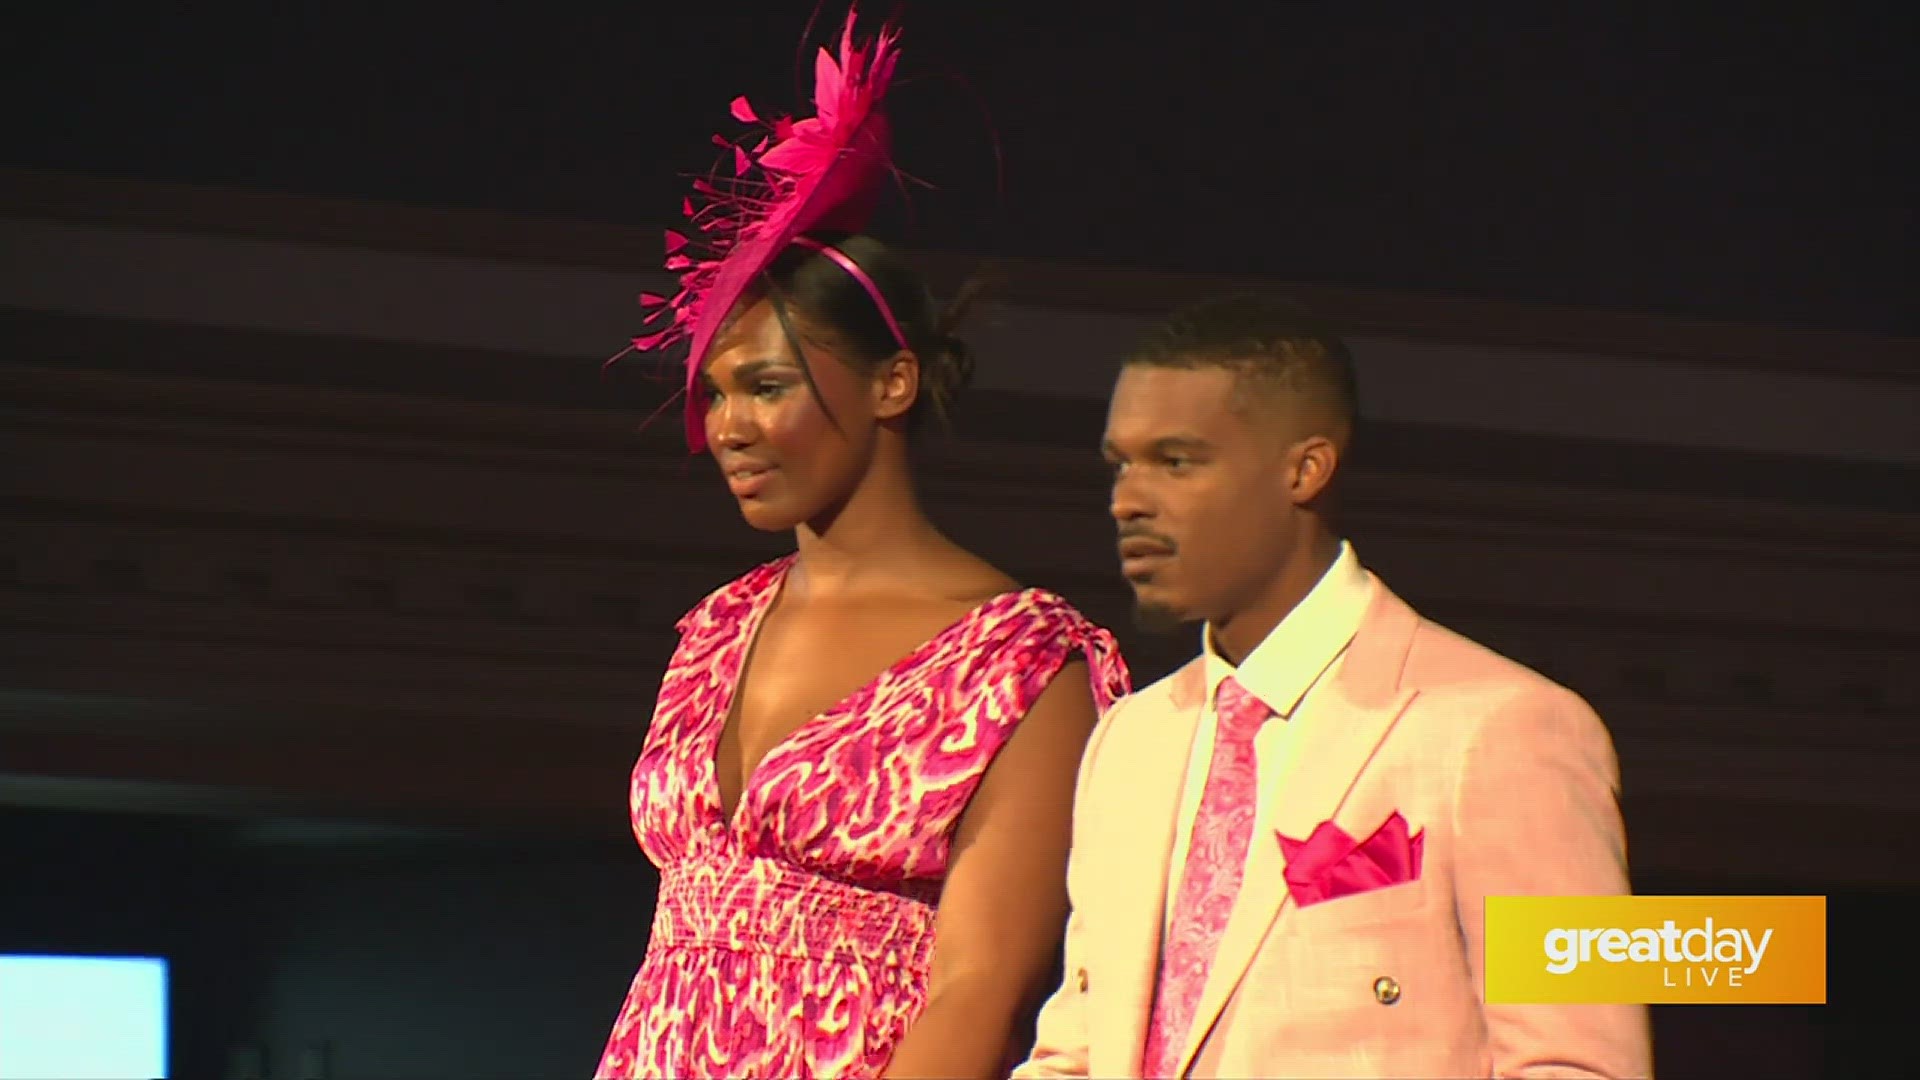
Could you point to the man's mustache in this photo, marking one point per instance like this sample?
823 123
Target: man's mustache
1141 533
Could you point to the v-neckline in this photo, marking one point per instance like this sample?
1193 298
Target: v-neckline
770 594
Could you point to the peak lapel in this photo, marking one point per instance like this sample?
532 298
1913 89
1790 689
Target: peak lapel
1349 719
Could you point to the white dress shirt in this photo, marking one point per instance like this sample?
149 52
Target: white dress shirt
1283 672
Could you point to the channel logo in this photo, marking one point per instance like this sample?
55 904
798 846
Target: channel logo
1656 950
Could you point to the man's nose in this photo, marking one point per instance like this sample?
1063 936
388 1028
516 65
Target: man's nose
1129 500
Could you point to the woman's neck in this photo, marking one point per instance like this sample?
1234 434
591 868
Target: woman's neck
877 534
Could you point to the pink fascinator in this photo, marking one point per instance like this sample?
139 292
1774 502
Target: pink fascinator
825 172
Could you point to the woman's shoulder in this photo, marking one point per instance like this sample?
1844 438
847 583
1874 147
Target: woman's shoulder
1037 609
736 598
999 604
1032 632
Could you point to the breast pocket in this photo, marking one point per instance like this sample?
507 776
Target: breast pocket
1408 903
1388 960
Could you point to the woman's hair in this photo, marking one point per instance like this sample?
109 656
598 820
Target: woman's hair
810 293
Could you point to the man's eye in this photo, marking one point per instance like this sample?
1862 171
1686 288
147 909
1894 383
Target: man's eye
767 389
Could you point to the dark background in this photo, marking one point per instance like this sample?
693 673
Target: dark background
1736 165
1753 164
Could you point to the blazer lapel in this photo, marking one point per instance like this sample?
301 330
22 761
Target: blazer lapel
1340 730
1150 777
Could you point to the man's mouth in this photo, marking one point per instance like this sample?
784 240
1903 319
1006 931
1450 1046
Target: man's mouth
1139 555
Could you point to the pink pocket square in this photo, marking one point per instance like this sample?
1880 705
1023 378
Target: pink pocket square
1330 864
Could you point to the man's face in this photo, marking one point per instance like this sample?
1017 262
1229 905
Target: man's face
1200 492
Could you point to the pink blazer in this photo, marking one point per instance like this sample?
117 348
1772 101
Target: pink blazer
1513 780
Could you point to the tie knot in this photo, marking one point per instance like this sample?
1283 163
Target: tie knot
1240 713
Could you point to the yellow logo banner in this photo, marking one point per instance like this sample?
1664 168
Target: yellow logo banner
1656 950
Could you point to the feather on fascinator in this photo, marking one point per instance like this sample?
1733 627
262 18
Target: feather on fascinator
825 172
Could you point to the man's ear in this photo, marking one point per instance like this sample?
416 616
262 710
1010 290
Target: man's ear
1310 468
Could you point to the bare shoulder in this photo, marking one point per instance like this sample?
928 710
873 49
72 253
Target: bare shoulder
957 576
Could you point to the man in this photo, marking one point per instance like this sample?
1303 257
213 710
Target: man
1281 852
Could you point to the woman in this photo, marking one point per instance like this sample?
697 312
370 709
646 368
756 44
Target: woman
858 780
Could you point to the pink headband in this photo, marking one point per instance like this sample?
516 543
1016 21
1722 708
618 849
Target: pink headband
853 270
823 172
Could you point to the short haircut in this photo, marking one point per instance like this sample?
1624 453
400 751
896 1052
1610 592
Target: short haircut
1271 342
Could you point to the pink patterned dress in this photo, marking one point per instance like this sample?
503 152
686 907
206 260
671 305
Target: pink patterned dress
794 940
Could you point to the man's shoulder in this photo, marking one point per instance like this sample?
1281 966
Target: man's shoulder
1444 665
1440 657
1470 699
1161 695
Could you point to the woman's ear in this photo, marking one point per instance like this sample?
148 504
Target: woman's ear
896 386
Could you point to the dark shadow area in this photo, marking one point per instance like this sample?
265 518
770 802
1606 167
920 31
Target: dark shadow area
1700 163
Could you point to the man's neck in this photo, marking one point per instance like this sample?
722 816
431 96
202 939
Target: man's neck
1235 636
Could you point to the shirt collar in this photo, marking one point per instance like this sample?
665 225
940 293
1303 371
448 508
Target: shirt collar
1296 653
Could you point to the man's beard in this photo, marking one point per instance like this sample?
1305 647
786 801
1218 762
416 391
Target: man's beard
1157 619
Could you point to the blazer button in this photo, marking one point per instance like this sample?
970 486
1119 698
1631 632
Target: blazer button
1386 990
1080 979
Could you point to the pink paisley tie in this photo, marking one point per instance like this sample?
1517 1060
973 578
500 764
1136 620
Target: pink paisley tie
1216 856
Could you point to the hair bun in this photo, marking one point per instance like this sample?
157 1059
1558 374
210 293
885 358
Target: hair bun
948 371
959 363
958 358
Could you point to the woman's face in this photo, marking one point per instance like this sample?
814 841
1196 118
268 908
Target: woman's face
783 457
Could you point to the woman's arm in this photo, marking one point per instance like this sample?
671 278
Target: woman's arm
1004 905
